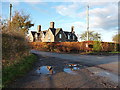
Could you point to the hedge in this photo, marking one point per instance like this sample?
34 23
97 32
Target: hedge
75 46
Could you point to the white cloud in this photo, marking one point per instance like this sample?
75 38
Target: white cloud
22 0
80 28
103 19
104 16
67 10
16 2
61 0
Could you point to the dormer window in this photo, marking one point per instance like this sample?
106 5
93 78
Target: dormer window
68 36
60 35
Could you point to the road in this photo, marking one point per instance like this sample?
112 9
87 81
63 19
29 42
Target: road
55 70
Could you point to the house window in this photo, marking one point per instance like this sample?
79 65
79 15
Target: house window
68 36
60 35
73 37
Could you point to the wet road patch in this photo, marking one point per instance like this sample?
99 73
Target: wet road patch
45 70
104 73
70 68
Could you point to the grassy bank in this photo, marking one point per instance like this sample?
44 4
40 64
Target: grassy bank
18 69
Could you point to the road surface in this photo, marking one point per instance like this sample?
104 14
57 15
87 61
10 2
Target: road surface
54 70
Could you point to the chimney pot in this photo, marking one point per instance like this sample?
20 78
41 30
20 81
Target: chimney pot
39 28
51 24
72 29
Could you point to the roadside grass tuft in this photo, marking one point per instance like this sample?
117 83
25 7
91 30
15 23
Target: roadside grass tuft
16 70
115 52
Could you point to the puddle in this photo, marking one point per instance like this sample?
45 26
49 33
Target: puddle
45 70
72 68
67 68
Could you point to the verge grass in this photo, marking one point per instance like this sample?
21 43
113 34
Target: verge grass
18 69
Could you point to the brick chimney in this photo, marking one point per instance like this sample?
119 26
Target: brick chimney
51 24
72 29
39 28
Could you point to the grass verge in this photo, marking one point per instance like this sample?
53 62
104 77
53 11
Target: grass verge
10 73
114 52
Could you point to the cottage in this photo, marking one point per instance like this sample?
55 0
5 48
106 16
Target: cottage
53 35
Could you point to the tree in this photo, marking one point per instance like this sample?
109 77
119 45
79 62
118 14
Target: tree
92 36
116 38
14 42
20 22
3 23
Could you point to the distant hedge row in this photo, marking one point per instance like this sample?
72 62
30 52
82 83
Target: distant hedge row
75 46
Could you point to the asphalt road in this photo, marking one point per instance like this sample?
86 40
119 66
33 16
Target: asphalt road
54 70
107 62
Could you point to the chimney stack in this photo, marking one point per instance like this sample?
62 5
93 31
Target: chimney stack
72 29
51 24
39 28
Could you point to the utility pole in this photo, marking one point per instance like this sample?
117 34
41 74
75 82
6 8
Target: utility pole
87 27
10 11
88 23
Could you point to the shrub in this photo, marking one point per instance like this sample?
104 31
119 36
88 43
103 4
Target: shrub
96 46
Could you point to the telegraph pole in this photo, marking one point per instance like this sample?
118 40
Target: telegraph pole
10 11
88 23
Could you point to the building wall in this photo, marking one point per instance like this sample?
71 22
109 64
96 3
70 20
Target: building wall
71 38
63 37
30 37
49 37
42 36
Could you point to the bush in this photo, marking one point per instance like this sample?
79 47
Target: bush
96 46
13 45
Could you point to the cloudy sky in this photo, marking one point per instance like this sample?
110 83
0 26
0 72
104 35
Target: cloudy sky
103 15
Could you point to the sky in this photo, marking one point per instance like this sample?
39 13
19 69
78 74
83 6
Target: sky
103 16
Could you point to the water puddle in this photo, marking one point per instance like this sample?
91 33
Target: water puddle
72 68
45 70
67 68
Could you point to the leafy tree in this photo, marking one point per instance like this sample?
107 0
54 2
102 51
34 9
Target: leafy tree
14 41
116 38
92 36
20 22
